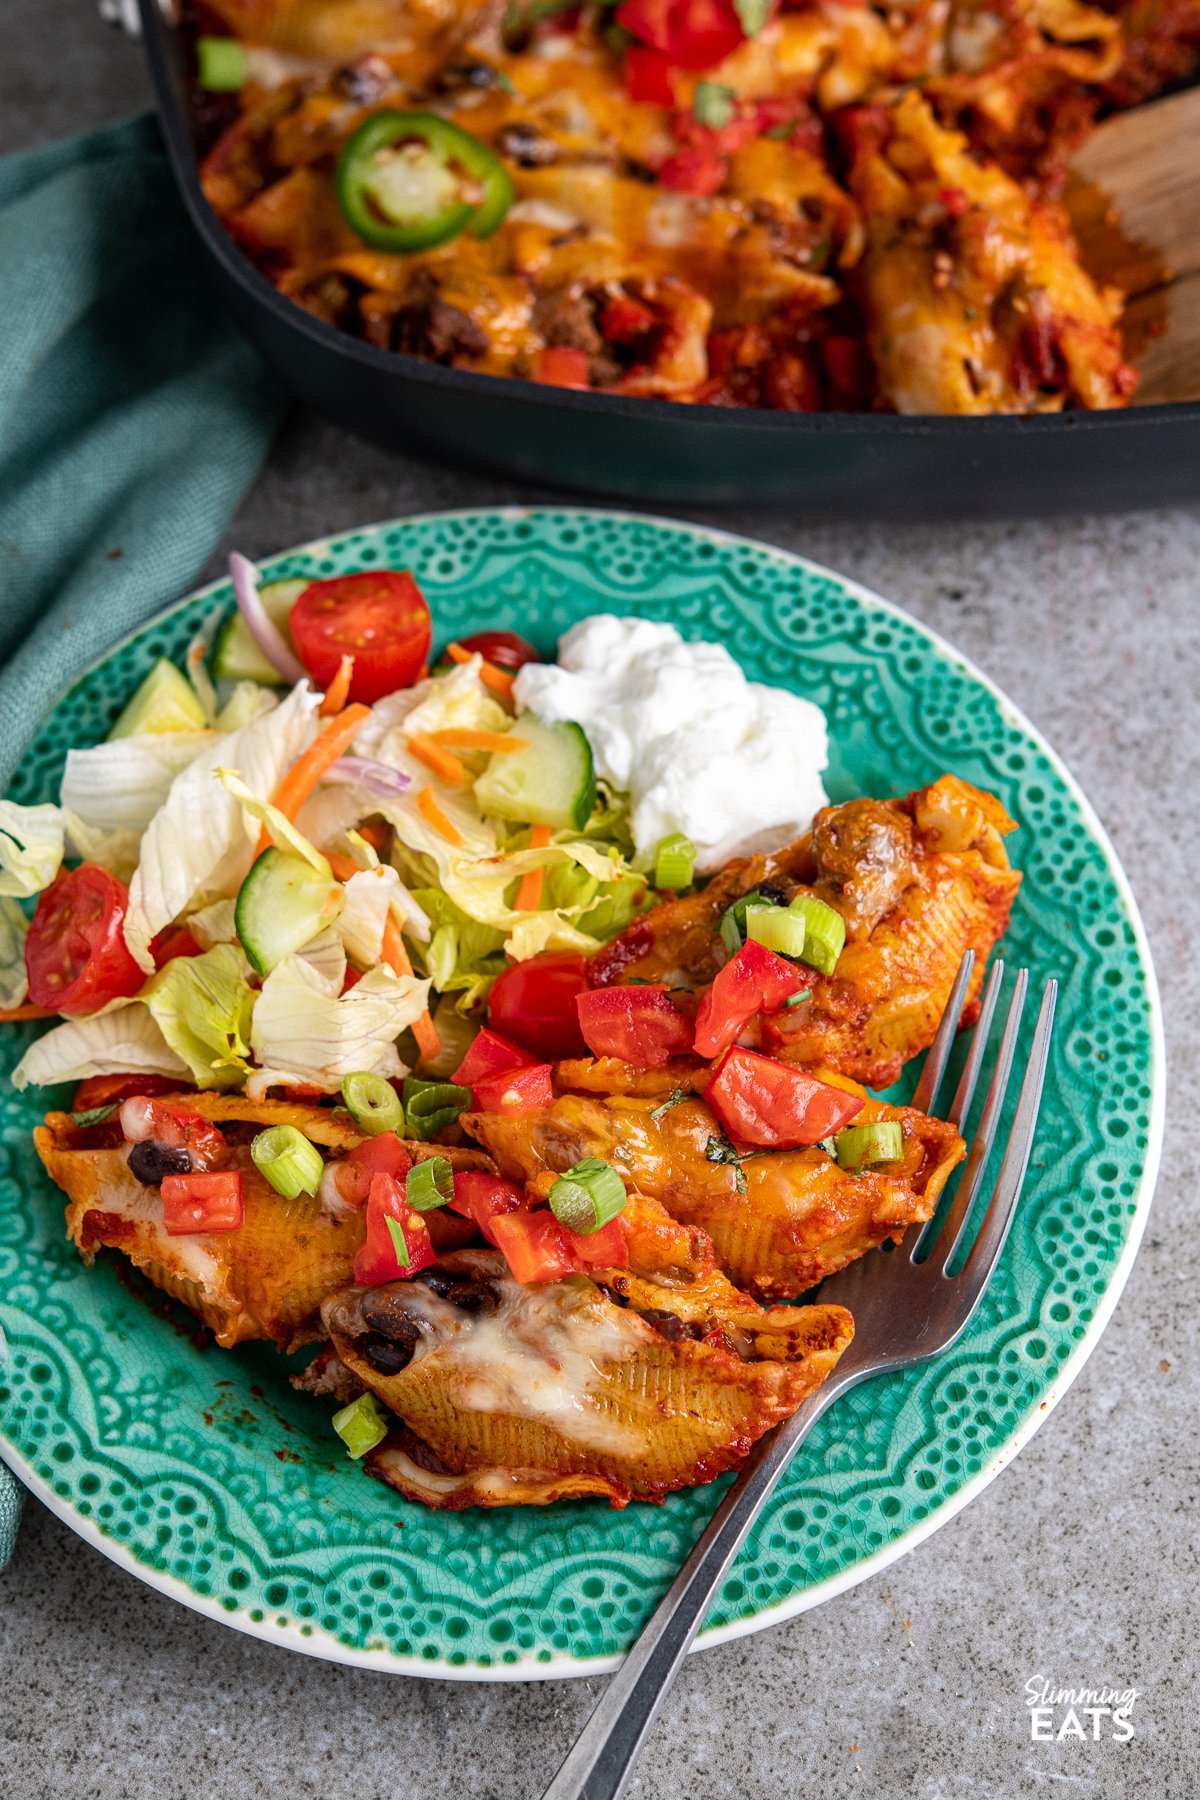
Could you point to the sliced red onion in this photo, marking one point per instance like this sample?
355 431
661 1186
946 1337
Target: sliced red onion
378 778
259 623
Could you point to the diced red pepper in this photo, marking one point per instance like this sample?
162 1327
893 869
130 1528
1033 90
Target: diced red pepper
623 320
489 1054
693 170
351 978
561 367
648 76
203 1202
484 1197
143 1120
641 1025
526 1089
382 1155
753 981
774 1106
377 1261
110 1090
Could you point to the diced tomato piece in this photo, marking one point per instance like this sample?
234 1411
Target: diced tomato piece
561 367
753 981
693 170
76 956
527 1089
488 1055
382 1155
648 77
533 1003
623 320
203 1202
377 1260
607 1248
641 1025
143 1120
649 20
110 1090
774 1106
703 32
790 385
351 978
378 617
484 1197
955 201
172 941
534 1245
848 370
503 649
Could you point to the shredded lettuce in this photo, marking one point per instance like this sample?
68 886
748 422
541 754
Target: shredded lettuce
14 988
31 848
247 702
462 957
214 924
200 844
120 785
202 1005
458 698
305 1032
124 1040
326 954
369 896
281 827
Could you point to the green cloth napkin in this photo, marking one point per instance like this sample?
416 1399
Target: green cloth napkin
132 418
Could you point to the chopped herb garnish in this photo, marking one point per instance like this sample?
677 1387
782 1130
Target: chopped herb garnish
670 1101
714 104
753 14
504 82
519 21
795 999
782 131
95 1115
720 1150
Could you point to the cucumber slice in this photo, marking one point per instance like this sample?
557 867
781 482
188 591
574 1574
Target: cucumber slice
282 903
551 783
166 701
236 656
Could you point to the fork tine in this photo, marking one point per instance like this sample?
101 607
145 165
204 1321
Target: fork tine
935 1062
973 1171
965 1091
1003 1204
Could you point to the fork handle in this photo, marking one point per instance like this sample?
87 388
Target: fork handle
604 1753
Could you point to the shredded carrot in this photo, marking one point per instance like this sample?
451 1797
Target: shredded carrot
460 737
433 815
338 691
14 1014
317 760
374 834
395 956
397 959
529 889
443 764
499 680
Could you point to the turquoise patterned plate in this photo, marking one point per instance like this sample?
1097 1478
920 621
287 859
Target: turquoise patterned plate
205 1474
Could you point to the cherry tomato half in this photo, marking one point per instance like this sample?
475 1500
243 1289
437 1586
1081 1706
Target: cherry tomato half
503 649
75 954
533 1003
380 618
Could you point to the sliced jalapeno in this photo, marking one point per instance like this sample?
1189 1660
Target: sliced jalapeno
411 180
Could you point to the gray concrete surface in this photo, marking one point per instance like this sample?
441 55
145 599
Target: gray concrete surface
1078 1564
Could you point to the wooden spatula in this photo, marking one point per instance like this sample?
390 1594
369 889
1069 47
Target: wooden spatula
1144 166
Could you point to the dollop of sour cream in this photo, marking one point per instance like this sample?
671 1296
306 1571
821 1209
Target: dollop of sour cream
734 765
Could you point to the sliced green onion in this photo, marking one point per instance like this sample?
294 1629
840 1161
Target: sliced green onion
733 921
713 104
221 65
860 1145
674 860
825 932
399 1241
671 1100
777 928
95 1115
284 1157
795 999
753 15
373 1103
429 1184
361 1425
829 1146
429 1106
588 1196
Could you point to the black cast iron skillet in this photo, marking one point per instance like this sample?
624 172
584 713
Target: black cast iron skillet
856 465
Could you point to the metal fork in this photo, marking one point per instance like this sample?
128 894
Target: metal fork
907 1308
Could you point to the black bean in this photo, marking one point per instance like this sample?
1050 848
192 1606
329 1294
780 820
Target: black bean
388 1355
439 1281
466 75
671 1326
475 1297
526 145
771 890
150 1161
